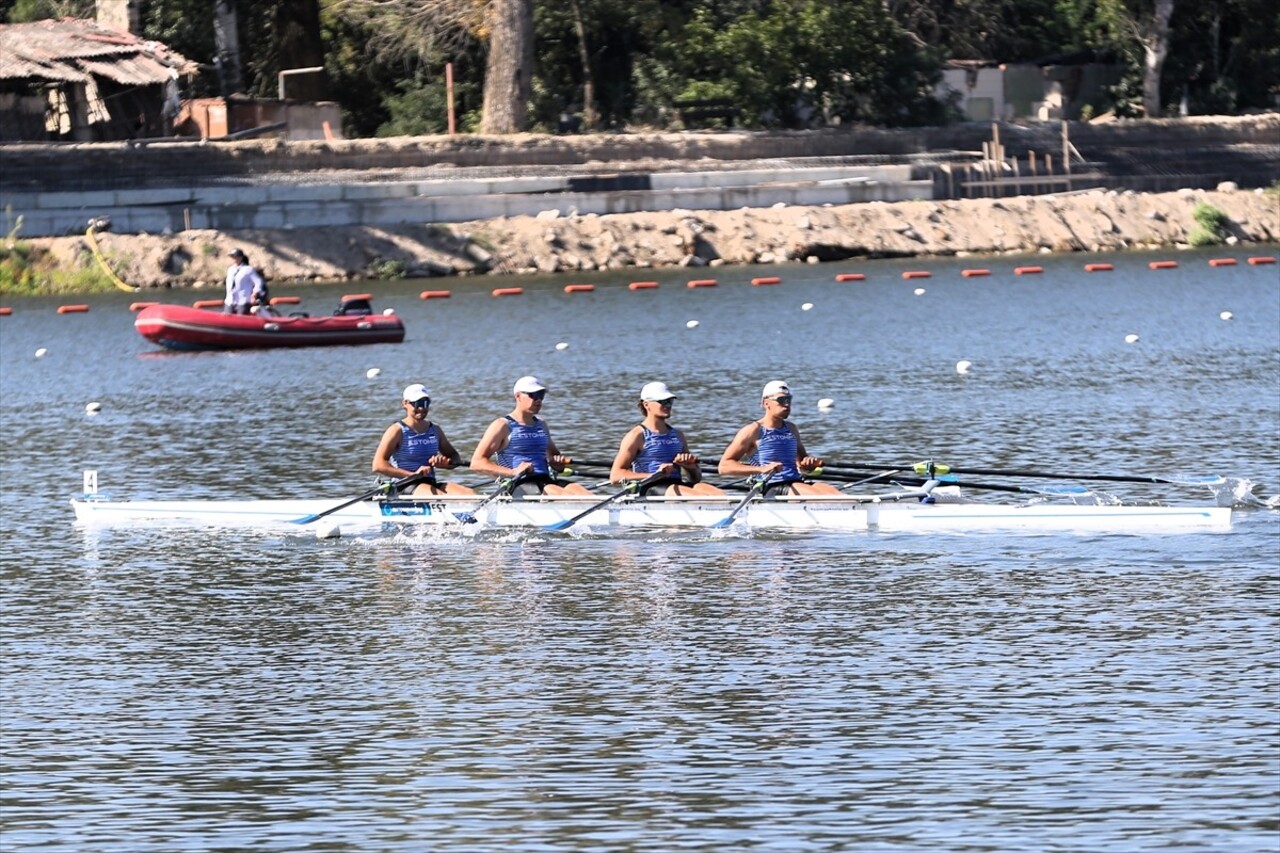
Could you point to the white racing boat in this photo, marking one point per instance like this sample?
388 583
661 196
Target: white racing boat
892 511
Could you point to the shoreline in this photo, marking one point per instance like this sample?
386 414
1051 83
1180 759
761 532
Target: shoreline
553 242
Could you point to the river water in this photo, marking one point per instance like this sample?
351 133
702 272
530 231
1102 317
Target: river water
215 690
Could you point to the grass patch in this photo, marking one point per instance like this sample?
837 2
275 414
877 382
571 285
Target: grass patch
1210 228
28 270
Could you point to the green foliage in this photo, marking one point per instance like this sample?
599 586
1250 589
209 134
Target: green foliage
1211 226
26 270
388 269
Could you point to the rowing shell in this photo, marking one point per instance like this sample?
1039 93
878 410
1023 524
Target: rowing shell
844 513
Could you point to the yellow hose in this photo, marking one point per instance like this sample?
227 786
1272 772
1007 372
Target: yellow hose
102 262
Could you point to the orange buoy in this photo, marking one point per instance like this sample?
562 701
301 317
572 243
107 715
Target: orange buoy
917 274
1098 267
207 303
508 291
579 288
1027 270
1222 262
702 282
642 285
5 311
769 279
351 296
434 294
1262 260
1163 265
850 276
138 306
974 273
72 309
285 300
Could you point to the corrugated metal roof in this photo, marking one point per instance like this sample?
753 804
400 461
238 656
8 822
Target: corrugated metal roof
69 49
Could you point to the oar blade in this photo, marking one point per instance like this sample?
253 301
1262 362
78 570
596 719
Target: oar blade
466 517
306 519
559 525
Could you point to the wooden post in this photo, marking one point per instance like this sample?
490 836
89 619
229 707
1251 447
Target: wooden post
1048 169
1066 154
1031 172
448 89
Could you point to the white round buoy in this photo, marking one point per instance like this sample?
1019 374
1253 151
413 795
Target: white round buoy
826 403
372 373
1131 339
388 312
40 352
692 324
328 530
808 306
962 366
1226 315
919 291
93 408
562 345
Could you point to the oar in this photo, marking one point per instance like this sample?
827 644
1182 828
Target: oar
504 489
924 468
397 485
756 491
630 488
951 480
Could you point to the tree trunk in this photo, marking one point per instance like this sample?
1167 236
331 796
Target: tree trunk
1155 48
589 117
226 39
509 67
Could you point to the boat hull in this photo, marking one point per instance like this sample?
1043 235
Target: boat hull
839 514
178 327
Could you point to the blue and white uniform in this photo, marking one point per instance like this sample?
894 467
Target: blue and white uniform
659 449
526 444
416 448
778 445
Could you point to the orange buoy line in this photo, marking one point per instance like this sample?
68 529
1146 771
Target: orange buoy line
351 296
1098 267
286 300
434 294
138 306
1222 262
5 311
917 274
974 273
1027 270
851 276
642 285
579 288
508 291
1261 260
207 303
72 309
763 280
702 282
1163 265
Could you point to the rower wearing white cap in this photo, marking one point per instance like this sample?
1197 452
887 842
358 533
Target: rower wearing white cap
654 445
520 444
414 445
772 446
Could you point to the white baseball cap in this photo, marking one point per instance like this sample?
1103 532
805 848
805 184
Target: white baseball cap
528 385
415 392
656 392
774 388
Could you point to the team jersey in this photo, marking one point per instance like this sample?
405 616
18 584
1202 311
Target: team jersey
778 445
525 444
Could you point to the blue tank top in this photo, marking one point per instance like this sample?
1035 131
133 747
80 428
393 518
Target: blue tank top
416 448
778 445
526 444
659 448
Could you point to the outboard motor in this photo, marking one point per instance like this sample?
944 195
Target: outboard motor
356 306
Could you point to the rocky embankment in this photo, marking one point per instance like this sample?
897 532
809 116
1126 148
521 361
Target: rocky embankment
1092 221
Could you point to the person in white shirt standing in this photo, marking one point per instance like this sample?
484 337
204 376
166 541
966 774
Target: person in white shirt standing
244 285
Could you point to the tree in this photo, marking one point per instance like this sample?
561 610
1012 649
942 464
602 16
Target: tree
1146 22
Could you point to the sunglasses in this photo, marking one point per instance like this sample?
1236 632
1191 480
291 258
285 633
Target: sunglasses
534 395
784 400
667 402
421 404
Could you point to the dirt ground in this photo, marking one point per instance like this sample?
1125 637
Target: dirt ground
554 242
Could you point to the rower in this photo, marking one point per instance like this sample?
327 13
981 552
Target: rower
772 446
654 445
415 445
519 444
